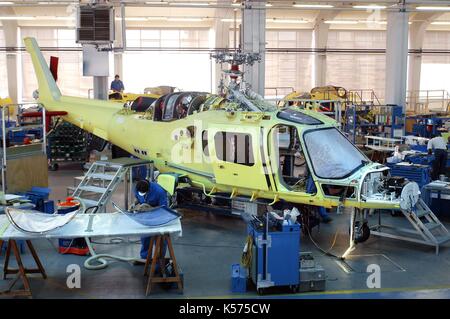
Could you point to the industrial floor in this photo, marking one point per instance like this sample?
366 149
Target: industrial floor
212 243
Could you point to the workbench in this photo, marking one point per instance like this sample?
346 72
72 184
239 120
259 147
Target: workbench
85 225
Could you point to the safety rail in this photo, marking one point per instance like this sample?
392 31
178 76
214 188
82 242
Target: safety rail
363 97
288 89
426 101
21 125
378 143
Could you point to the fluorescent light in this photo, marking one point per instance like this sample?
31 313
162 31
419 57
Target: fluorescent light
135 19
17 18
156 2
313 6
268 4
370 7
341 22
186 19
4 3
64 18
230 20
156 18
441 22
424 8
189 4
287 21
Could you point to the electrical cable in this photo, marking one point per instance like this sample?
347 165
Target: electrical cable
325 252
247 255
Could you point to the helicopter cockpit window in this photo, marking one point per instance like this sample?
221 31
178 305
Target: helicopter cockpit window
298 117
234 148
332 154
292 165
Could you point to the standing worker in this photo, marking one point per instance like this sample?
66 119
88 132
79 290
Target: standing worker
439 146
151 194
117 85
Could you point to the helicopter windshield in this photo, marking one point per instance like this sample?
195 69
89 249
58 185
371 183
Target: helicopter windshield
332 154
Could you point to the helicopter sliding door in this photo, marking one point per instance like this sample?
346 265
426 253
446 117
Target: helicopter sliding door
236 157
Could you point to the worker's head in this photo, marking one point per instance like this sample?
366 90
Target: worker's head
142 187
117 77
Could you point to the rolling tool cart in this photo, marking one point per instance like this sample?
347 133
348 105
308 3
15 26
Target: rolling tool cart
66 143
275 253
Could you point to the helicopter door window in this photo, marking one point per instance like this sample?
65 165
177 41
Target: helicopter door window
234 148
291 159
205 143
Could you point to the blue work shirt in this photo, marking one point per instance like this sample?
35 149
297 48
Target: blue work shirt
117 85
156 196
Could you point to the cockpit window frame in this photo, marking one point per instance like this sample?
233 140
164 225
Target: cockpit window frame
311 163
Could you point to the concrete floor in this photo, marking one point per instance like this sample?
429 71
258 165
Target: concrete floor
211 244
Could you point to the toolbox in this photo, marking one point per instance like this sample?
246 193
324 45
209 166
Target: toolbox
275 258
312 275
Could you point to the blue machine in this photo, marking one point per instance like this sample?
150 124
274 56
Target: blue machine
421 174
276 256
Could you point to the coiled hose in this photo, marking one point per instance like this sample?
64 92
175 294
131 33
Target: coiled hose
98 261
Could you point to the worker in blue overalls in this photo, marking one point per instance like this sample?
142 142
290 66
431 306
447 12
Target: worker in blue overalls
154 195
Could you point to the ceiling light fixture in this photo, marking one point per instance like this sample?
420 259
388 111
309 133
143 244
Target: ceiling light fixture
156 3
287 21
313 6
425 8
189 4
341 22
370 7
17 18
230 20
186 19
440 22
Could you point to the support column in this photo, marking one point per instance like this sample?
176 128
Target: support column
396 57
320 39
320 58
254 41
100 87
10 31
119 44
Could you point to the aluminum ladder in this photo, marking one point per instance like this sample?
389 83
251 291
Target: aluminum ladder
103 178
428 229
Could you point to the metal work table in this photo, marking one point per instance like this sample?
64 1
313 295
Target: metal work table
85 225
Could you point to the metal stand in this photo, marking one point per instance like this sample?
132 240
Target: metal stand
21 271
104 177
427 228
158 242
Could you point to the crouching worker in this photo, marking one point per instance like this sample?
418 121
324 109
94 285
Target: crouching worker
152 194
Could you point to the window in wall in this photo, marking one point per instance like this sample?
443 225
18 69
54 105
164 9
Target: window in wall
3 70
435 67
234 148
357 70
70 68
189 71
288 71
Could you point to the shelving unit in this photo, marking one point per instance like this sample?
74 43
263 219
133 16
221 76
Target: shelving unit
374 120
14 134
